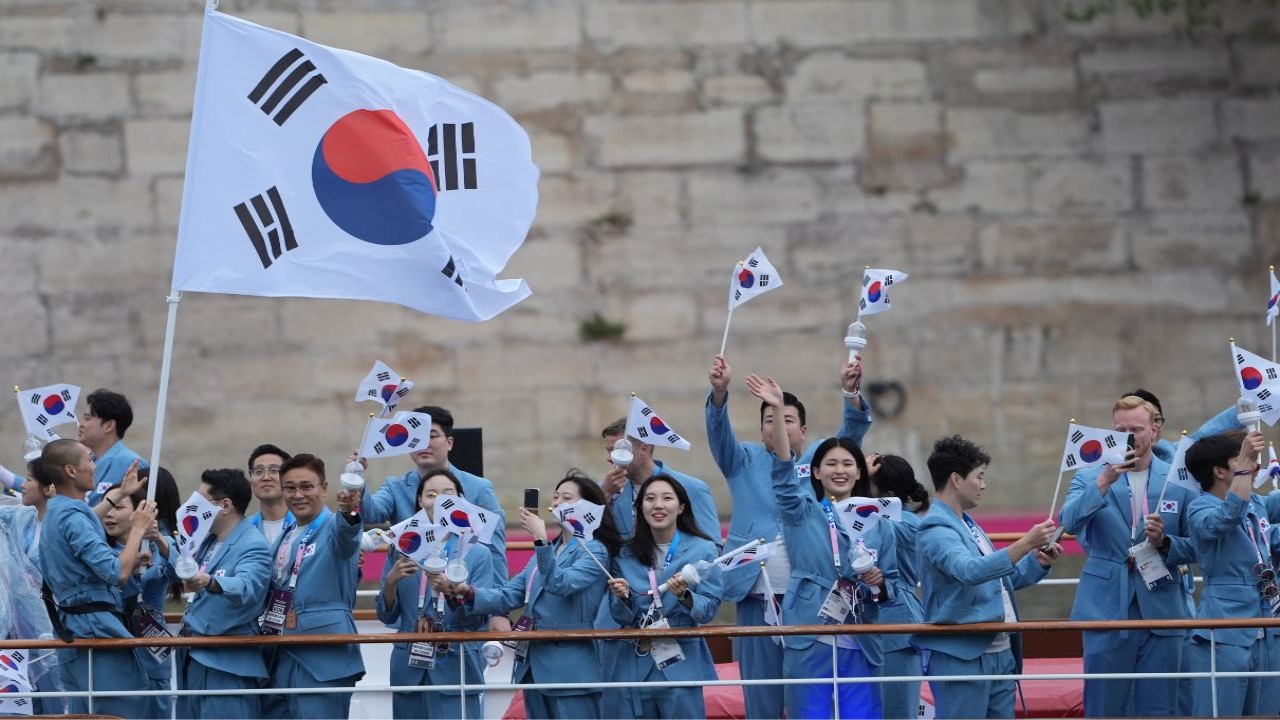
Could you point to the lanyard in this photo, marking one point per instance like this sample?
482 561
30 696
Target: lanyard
984 546
210 551
671 551
301 554
831 528
1133 504
1258 547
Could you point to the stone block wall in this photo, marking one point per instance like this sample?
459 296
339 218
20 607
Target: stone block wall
1081 208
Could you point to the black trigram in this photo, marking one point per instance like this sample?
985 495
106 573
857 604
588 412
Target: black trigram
1265 408
267 225
1239 359
590 517
1071 460
673 438
753 262
450 145
447 504
414 423
379 448
888 280
414 443
858 525
1183 474
1077 436
764 279
1109 441
292 91
1271 373
453 272
646 412
642 431
383 376
1264 394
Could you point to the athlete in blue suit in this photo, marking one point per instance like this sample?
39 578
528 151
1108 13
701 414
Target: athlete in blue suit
1111 509
560 589
313 589
819 550
1229 530
966 580
747 467
413 601
235 572
667 537
85 577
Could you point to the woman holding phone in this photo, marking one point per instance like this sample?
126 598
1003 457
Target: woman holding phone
667 538
412 601
560 589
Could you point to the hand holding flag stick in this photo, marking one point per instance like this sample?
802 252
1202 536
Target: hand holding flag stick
1053 504
692 573
580 519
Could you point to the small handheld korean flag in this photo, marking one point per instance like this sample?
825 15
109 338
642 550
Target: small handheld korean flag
1259 379
1178 473
415 537
1089 446
464 519
405 433
195 520
14 678
581 518
1273 302
644 425
383 386
47 407
1271 471
859 514
753 276
876 284
752 554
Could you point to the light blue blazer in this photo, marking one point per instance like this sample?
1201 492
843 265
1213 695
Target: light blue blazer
813 572
80 567
1227 557
565 594
324 596
148 587
403 616
697 663
242 567
111 467
961 585
396 501
748 467
1103 526
704 504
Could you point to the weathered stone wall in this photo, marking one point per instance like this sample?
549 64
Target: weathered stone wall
1082 209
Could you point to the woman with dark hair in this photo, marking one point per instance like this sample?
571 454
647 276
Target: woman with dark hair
822 553
560 589
410 601
37 488
892 476
143 595
666 539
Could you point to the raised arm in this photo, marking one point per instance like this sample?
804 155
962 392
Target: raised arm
728 453
857 413
768 391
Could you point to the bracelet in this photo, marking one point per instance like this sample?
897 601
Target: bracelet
854 394
1242 473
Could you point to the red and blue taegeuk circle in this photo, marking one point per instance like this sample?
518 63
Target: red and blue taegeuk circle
190 524
1250 378
746 278
460 519
409 543
387 392
396 435
373 180
53 404
873 292
1091 451
656 424
867 511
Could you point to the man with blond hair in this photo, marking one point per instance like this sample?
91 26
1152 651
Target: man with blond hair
1112 509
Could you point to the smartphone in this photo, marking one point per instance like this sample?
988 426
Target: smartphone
531 499
1130 443
1057 535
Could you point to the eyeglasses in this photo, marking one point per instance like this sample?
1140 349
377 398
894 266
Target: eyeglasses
435 435
433 494
260 472
305 489
1159 420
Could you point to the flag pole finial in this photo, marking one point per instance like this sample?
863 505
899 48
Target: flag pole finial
370 416
1073 421
633 394
1232 340
17 389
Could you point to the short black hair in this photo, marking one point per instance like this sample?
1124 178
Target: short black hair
35 468
439 416
229 484
1148 396
956 455
56 456
1212 452
166 496
266 449
788 400
306 461
105 405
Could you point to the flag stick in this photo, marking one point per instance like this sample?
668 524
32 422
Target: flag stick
588 549
725 340
734 553
162 398
1056 489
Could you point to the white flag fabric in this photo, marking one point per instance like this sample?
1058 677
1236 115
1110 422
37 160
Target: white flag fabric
466 520
733 561
195 520
1273 302
753 276
405 433
581 518
383 386
644 425
1178 473
45 408
1259 379
318 172
860 514
1271 471
415 537
875 290
14 678
1089 446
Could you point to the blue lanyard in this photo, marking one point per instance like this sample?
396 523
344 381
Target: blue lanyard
671 551
831 526
978 538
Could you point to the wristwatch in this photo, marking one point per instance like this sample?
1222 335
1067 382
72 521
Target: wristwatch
539 543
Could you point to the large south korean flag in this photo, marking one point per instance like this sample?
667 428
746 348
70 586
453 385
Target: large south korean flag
319 172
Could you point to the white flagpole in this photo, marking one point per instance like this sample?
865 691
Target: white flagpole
588 549
1053 505
162 398
725 340
734 553
1270 274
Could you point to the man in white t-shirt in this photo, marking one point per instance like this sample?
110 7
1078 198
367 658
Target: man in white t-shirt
273 517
